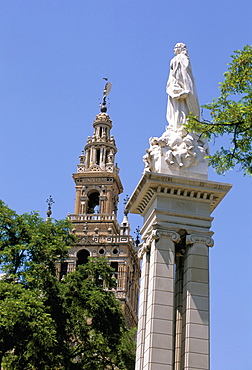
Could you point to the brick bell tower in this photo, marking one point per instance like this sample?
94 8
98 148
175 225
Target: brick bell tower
98 186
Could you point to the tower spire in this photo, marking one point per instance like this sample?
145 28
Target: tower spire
106 91
49 202
99 152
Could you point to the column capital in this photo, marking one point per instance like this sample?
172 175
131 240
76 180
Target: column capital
146 245
198 238
170 234
156 234
83 198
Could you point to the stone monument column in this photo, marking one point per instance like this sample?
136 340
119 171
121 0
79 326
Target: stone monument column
155 331
142 311
158 344
176 200
195 345
173 328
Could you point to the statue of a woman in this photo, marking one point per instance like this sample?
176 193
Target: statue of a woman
183 98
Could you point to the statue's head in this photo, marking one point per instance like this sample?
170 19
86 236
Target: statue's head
180 48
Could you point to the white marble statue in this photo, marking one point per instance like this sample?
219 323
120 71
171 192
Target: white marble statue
179 152
181 89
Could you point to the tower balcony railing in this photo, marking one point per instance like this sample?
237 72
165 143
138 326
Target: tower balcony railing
92 217
109 167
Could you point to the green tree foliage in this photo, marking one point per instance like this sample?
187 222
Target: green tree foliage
75 323
231 114
27 332
100 339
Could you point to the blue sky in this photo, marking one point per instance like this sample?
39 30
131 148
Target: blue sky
53 56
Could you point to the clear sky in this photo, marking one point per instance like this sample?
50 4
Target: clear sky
53 56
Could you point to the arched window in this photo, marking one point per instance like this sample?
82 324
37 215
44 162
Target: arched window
114 265
93 203
98 153
63 269
82 257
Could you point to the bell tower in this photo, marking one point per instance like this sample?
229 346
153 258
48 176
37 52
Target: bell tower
98 186
97 181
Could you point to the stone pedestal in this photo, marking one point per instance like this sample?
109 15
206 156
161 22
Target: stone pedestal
173 329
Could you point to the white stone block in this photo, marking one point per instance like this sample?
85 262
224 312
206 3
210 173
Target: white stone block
196 361
197 331
161 269
161 283
165 256
150 284
160 311
138 365
154 366
143 285
198 346
160 326
141 308
141 323
148 325
161 356
197 317
147 343
138 351
196 261
162 341
198 303
196 288
198 249
161 297
196 275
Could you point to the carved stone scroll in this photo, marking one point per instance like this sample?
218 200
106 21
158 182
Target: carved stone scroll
194 238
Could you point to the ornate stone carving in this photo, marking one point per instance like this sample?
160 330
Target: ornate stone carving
143 249
156 234
173 235
95 168
152 154
81 168
109 168
183 149
176 150
146 245
203 239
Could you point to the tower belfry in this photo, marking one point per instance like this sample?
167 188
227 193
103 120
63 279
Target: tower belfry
98 186
99 192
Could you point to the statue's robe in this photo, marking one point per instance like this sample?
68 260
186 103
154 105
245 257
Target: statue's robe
183 98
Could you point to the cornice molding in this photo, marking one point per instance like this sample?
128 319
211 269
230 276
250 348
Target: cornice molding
153 184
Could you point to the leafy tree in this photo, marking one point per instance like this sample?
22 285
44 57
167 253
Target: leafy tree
232 115
75 323
27 332
100 339
32 329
